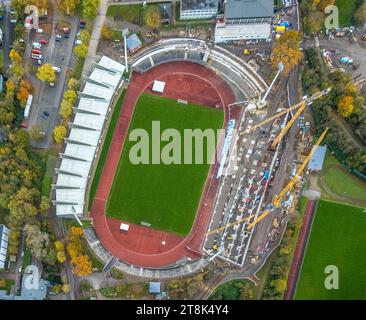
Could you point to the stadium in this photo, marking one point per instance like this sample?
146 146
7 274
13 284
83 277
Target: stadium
151 220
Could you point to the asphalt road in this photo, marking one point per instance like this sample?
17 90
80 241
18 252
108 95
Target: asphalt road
48 98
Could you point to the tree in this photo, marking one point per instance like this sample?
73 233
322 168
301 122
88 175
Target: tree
287 50
279 285
66 288
23 92
61 257
81 51
89 8
82 266
71 96
37 241
59 246
45 204
360 15
107 33
21 138
152 17
68 7
46 73
59 133
84 36
14 237
36 132
345 106
65 109
76 232
15 57
73 84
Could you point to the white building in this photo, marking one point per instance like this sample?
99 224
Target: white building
198 9
245 20
4 237
84 137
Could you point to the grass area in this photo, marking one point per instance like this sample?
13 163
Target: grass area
96 263
347 9
79 69
27 259
127 290
133 13
166 196
5 284
231 290
337 238
340 182
105 149
68 223
50 158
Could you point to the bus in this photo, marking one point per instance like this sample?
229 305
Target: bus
28 106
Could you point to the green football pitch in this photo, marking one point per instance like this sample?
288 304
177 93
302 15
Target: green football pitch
337 238
165 196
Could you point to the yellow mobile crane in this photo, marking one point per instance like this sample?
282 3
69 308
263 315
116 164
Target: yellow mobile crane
277 199
302 104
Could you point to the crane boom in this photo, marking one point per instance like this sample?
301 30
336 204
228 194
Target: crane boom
278 198
288 126
228 225
307 101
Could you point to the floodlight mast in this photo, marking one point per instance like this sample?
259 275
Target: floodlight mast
125 33
280 69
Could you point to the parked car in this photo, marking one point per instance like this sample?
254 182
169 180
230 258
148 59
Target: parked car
57 69
39 31
78 41
40 62
24 125
58 37
82 24
36 51
45 114
44 41
36 45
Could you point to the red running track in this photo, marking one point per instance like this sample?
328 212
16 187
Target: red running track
300 248
143 246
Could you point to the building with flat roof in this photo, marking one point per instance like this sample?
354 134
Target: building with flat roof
198 9
317 160
4 236
245 20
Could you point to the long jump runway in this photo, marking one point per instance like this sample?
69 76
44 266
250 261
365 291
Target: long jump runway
144 246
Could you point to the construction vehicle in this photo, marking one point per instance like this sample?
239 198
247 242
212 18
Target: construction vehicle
307 101
277 199
246 52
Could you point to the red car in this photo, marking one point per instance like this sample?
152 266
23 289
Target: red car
24 125
44 41
36 51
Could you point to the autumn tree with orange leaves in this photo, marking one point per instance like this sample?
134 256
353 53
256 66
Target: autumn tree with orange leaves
287 50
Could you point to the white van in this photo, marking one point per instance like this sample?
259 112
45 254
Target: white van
57 69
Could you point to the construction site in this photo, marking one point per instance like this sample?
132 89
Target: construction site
261 183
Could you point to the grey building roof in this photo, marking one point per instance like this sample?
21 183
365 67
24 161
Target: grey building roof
199 4
241 9
165 10
317 160
133 42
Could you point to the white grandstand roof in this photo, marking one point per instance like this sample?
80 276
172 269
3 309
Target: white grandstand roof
93 105
98 91
79 151
91 121
73 196
75 167
68 180
113 65
83 141
89 137
110 79
65 209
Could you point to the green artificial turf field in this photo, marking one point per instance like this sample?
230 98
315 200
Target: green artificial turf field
337 238
166 196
